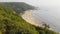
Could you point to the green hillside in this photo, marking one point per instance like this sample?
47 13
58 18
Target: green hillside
12 23
19 7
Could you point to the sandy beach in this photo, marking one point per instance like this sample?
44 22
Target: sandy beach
28 17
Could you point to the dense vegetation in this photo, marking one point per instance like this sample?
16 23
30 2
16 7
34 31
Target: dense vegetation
12 23
19 7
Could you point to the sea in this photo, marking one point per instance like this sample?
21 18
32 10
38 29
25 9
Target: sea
48 15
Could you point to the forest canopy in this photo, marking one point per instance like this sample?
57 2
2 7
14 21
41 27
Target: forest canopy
12 23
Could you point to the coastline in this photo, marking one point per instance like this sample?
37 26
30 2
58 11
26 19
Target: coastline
28 17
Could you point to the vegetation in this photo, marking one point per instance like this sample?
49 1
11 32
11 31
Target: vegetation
19 7
12 23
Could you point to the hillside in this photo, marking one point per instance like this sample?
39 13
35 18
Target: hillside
12 23
19 7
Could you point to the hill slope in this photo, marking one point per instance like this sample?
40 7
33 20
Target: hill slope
12 23
19 7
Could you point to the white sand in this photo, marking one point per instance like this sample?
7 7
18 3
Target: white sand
28 17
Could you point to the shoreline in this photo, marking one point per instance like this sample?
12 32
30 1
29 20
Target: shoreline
28 17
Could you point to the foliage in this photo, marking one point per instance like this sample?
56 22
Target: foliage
12 23
19 7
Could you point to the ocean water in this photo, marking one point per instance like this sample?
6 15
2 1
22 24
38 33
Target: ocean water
48 15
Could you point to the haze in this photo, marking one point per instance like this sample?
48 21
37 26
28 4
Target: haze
49 11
